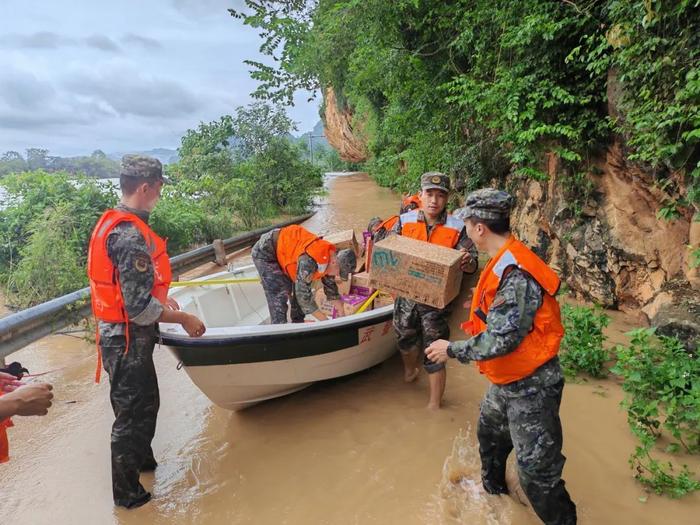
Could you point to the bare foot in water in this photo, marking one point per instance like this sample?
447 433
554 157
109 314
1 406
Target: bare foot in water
433 406
409 376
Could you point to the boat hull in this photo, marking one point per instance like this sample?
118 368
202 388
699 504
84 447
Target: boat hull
239 366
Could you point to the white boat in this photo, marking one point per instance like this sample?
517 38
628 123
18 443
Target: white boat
243 360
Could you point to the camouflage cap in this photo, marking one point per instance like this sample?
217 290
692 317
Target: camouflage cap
374 223
346 262
435 180
486 203
142 166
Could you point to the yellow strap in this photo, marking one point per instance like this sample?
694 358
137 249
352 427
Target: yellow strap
367 302
215 281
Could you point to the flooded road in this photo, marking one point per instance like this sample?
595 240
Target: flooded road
358 450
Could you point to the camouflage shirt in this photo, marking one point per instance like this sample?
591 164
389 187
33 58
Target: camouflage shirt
508 321
463 241
306 268
129 254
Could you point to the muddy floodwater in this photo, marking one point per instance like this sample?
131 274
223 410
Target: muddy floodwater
357 450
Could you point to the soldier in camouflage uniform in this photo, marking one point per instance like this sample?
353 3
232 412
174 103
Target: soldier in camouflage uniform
133 383
418 325
523 411
280 291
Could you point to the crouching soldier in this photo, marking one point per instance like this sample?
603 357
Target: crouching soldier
418 325
288 260
515 328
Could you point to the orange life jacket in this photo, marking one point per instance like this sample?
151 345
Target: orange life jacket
106 295
542 343
4 442
411 200
293 241
443 234
388 224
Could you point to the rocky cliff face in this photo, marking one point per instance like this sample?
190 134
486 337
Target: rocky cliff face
617 253
342 132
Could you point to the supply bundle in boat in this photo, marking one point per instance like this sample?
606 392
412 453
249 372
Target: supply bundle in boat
360 285
351 303
427 273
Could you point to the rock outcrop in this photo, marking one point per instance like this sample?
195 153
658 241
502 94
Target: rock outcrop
617 253
342 130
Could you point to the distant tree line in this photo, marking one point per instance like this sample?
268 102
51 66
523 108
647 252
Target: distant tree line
96 165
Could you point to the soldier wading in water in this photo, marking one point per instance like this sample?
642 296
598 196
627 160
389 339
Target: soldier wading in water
516 329
129 272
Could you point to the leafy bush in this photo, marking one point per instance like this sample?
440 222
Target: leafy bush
661 381
50 263
30 194
582 347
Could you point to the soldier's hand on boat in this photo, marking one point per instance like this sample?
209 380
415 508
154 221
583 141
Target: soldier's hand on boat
172 304
437 351
193 326
29 400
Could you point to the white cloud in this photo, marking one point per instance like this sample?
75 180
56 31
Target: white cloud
122 75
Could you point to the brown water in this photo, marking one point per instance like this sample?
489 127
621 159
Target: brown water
359 450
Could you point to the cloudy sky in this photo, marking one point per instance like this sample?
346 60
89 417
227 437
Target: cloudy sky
80 75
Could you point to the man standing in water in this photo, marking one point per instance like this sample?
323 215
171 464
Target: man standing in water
129 272
516 329
288 260
412 320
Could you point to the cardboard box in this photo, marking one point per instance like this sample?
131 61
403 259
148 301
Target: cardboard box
360 284
351 303
383 299
323 304
426 273
344 240
343 286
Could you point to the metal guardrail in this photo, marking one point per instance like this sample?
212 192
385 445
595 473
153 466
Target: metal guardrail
20 329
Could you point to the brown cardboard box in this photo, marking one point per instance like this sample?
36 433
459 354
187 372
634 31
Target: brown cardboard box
343 286
343 240
323 304
360 284
427 273
351 303
383 299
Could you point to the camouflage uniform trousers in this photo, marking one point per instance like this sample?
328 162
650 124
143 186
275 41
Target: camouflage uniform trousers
279 289
529 422
417 326
135 402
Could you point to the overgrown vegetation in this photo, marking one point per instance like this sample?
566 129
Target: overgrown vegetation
582 347
661 381
234 174
483 89
44 231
